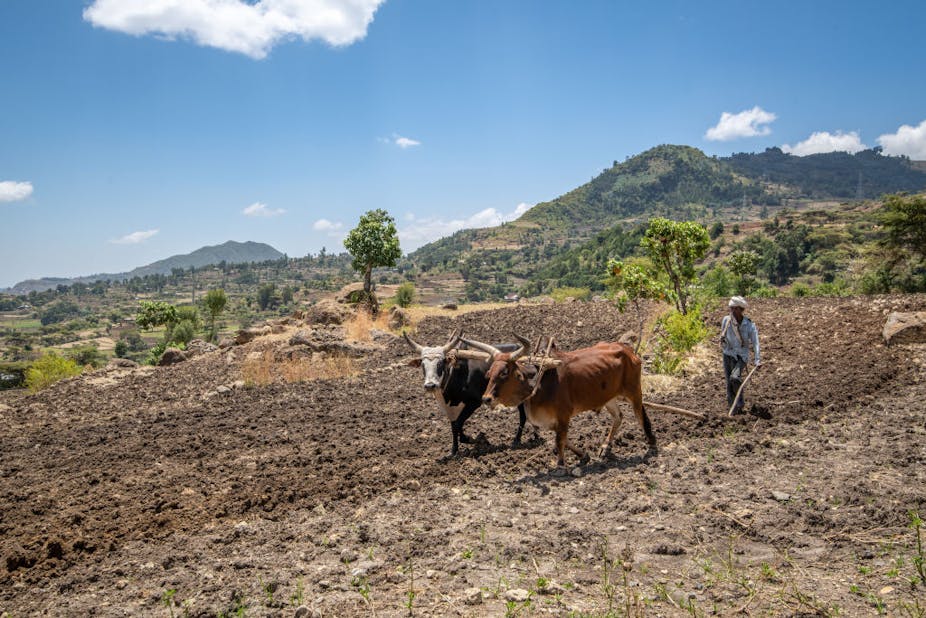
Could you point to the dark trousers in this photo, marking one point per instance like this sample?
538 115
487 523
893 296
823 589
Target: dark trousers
733 369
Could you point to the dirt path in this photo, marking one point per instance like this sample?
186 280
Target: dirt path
121 487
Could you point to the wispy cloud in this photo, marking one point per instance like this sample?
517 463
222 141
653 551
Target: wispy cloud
13 191
749 123
247 27
406 142
135 237
416 231
824 141
400 141
259 209
909 141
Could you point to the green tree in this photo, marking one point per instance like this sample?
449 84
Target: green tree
152 314
633 284
675 247
265 294
904 220
374 242
744 265
214 301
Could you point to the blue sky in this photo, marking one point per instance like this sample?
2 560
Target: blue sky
132 130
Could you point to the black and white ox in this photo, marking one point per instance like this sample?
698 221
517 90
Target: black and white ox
458 386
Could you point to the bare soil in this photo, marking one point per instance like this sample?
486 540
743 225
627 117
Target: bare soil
149 492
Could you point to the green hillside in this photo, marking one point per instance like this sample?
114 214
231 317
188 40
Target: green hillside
671 181
834 175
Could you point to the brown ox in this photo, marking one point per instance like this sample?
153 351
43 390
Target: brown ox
592 378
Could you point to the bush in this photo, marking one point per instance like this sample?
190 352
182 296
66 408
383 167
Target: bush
87 355
405 295
183 332
677 334
561 294
49 369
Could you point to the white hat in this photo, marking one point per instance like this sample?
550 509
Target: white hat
738 301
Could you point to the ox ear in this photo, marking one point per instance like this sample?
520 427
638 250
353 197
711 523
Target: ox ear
415 362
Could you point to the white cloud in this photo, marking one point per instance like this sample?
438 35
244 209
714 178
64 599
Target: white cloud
259 209
406 142
324 225
135 237
12 191
910 141
749 123
824 141
247 27
416 232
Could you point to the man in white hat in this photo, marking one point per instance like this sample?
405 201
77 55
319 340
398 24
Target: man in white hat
737 335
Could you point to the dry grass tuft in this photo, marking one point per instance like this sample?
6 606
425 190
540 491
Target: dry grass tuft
696 365
358 327
265 369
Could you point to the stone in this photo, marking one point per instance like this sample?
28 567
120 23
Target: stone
348 555
472 596
517 595
246 335
327 311
399 318
198 346
123 363
226 342
780 496
903 328
301 337
172 356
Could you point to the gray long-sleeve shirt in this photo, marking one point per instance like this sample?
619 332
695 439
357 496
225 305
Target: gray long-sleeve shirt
738 347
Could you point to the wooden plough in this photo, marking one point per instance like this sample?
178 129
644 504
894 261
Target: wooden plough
544 362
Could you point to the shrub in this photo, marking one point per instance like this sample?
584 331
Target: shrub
677 334
405 295
49 369
183 332
87 355
561 294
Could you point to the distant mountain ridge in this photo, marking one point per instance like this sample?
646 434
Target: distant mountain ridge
231 252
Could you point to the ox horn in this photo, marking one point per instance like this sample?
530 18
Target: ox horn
525 346
454 338
416 346
485 347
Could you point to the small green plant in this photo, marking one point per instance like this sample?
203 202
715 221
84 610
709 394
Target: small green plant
411 593
298 596
49 369
467 554
362 585
167 600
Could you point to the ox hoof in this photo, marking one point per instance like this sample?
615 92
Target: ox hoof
605 452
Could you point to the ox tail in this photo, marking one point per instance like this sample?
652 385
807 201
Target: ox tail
647 426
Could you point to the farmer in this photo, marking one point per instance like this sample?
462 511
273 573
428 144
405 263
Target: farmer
737 335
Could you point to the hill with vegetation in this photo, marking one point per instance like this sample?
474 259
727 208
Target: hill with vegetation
230 252
833 175
567 242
